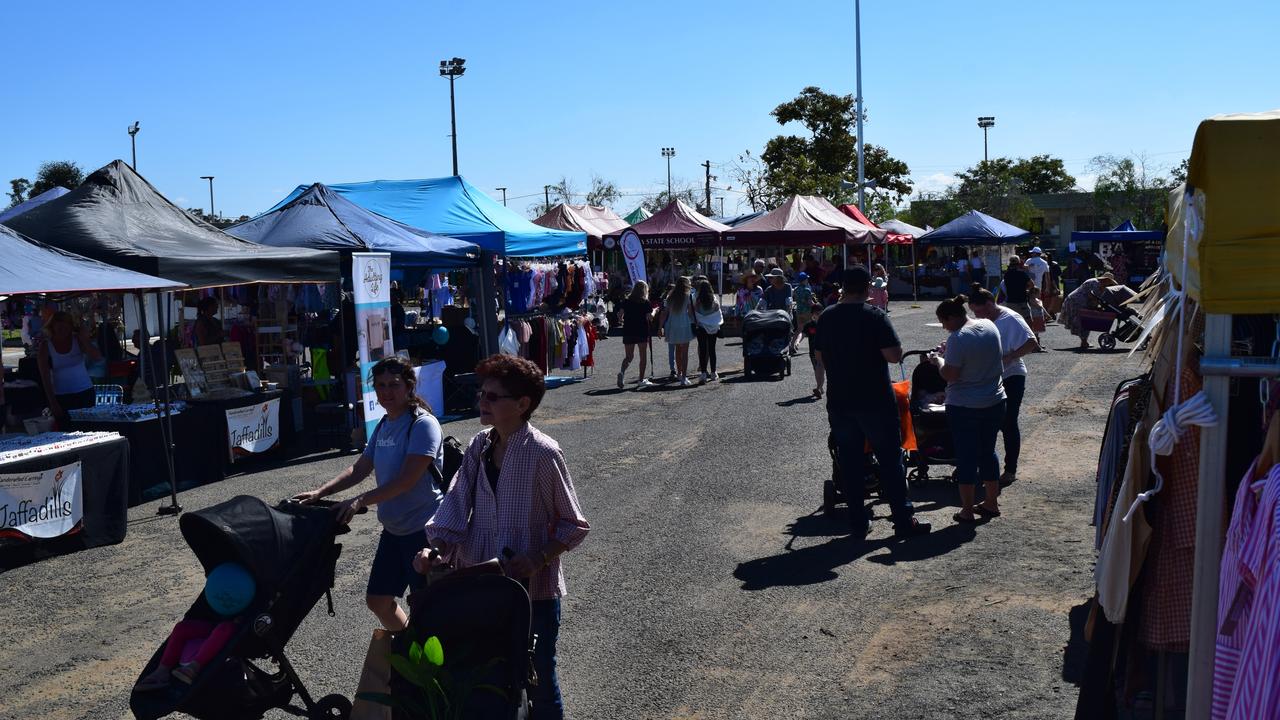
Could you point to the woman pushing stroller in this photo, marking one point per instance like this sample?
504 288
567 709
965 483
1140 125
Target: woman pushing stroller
513 498
399 453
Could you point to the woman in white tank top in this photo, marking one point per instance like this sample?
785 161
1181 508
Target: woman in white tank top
61 359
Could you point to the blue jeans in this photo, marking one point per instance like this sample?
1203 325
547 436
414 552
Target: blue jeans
1015 387
974 430
852 431
545 623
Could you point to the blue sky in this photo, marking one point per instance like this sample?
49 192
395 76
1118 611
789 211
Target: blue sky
271 94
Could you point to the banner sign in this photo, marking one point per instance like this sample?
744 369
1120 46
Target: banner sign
633 253
371 280
42 504
664 242
254 429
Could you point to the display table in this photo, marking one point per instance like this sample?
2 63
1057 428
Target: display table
149 473
104 482
212 443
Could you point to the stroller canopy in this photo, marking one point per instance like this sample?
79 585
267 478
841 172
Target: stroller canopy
766 320
246 530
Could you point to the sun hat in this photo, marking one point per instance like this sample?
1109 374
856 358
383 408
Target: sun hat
1036 250
776 272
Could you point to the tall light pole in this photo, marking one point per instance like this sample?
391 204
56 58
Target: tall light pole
984 122
504 195
133 143
210 179
453 69
669 153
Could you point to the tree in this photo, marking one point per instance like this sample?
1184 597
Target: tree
602 192
1041 174
749 172
1178 174
18 193
816 165
57 173
993 187
1127 190
686 192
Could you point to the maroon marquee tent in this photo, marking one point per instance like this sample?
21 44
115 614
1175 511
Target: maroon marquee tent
803 221
891 238
676 226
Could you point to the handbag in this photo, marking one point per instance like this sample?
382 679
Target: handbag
375 677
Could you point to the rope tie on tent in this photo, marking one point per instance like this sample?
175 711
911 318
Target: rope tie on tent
1169 429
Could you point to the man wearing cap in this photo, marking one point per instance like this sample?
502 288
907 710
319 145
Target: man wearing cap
1037 268
855 342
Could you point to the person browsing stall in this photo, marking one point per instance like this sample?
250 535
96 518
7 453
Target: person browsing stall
513 499
61 362
855 343
400 453
208 330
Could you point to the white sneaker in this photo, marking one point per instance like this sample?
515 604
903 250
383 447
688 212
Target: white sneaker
714 376
644 384
684 381
620 382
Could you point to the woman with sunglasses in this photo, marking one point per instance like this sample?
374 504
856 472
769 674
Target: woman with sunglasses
400 453
513 499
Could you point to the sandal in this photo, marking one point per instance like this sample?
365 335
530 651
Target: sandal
984 512
964 520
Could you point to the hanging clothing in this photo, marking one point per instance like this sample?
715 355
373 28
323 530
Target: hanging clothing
1235 594
1166 605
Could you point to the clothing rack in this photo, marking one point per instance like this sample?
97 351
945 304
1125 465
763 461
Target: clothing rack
564 315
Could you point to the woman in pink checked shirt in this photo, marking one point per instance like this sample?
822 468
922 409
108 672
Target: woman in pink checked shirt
513 491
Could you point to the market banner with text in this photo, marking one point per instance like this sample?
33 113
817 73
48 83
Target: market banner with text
41 504
633 253
254 429
371 281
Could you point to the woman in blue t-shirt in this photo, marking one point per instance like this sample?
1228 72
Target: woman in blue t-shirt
400 453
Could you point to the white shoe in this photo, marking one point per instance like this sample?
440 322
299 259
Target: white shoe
714 376
620 380
644 384
684 381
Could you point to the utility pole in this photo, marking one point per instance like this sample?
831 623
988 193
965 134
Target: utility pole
721 199
546 196
707 165
504 195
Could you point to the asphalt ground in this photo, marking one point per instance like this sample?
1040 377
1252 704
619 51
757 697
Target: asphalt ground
710 586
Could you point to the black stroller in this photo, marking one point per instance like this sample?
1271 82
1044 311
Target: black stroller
290 550
766 343
482 620
934 444
1114 319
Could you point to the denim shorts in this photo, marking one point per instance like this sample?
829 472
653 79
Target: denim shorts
392 568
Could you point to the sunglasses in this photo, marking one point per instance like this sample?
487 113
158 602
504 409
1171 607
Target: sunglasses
491 397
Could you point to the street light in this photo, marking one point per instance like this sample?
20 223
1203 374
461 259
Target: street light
504 195
668 153
210 179
984 122
453 69
133 142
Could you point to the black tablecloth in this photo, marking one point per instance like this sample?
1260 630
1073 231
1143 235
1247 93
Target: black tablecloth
149 474
210 416
104 478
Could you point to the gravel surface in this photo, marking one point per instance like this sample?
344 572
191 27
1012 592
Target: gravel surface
711 585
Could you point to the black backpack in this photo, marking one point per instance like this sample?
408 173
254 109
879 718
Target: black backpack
453 452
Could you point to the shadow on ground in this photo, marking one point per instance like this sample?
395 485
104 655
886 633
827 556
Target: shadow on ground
1075 656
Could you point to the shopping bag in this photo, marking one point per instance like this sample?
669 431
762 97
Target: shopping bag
375 678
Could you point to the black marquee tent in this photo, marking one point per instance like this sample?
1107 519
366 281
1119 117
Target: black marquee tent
118 218
32 267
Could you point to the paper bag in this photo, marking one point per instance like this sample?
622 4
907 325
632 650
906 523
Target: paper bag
375 677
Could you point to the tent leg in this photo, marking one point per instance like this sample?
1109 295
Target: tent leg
1208 548
166 429
915 275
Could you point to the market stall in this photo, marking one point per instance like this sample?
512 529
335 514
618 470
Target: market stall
675 228
976 229
902 276
89 472
1188 482
1131 253
118 218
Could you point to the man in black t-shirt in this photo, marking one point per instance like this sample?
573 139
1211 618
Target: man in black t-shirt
855 343
1016 282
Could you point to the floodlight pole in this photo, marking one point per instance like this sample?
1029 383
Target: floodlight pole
210 179
862 171
133 143
985 122
453 69
668 153
504 195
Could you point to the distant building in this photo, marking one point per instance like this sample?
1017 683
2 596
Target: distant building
1059 214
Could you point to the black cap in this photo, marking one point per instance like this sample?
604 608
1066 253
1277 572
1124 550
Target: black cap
857 279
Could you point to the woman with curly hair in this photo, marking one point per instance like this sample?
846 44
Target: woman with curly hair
513 496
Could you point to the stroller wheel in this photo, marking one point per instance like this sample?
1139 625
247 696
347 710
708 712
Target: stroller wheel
828 497
337 707
1107 341
918 477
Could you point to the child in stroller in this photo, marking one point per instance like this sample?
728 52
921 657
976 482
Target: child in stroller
934 445
289 554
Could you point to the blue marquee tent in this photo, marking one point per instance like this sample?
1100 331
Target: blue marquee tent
52 193
453 207
1124 232
974 228
322 219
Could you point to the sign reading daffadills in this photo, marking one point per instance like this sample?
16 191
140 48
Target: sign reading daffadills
42 504
253 429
